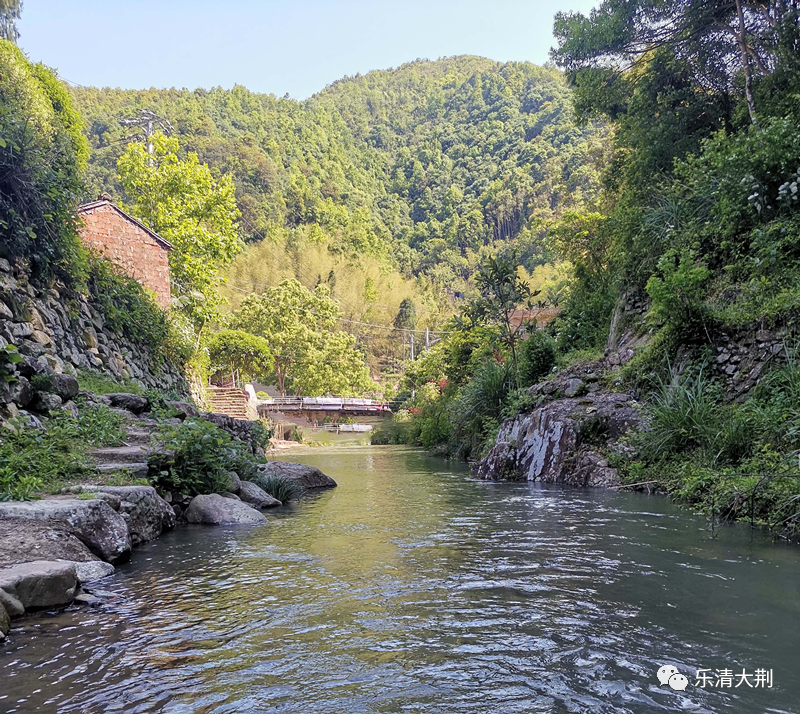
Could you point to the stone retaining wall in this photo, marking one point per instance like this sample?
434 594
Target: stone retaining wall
65 339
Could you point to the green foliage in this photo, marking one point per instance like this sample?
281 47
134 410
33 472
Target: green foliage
15 486
280 487
678 293
34 459
424 165
406 318
42 151
182 201
104 383
479 406
196 457
537 358
239 351
9 356
732 460
683 414
130 311
501 291
311 357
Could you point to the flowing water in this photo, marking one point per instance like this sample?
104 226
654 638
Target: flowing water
413 588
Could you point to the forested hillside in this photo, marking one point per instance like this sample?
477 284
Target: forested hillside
422 168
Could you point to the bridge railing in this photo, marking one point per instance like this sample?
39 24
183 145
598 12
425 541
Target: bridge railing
323 404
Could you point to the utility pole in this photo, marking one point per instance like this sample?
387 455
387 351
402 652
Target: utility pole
146 123
412 346
427 340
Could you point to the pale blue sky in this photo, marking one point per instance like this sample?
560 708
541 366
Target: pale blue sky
273 46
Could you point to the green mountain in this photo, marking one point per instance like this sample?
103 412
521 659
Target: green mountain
425 167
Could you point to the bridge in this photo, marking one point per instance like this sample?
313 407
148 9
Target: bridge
318 408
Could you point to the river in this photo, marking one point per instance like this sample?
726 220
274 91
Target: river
413 588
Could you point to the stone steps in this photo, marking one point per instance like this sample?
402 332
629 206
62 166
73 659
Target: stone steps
122 454
137 469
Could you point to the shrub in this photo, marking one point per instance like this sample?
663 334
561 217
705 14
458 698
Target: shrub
537 358
42 151
678 294
477 410
280 487
196 456
683 414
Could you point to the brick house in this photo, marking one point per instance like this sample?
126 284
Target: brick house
140 252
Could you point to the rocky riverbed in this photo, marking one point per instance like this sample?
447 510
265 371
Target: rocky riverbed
54 549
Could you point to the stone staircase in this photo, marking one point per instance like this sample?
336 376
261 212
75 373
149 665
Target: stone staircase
231 401
132 455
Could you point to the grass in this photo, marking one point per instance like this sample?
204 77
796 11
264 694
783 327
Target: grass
732 461
280 487
105 384
35 460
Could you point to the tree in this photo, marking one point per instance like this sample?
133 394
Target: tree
311 357
10 11
42 154
715 39
406 318
501 291
232 351
182 201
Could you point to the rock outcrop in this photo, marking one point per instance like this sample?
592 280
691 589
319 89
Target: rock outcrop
23 540
308 477
256 496
561 441
96 524
215 510
146 514
40 583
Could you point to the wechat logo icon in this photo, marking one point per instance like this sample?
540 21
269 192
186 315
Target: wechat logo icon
669 675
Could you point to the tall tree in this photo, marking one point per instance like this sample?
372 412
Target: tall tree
501 292
311 357
10 11
715 39
183 202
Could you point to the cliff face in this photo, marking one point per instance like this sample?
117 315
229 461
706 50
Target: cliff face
559 441
54 336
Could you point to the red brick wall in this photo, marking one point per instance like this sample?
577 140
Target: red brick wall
130 247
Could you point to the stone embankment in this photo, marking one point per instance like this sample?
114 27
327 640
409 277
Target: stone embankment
58 338
51 548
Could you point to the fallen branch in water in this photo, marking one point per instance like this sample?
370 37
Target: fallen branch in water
631 485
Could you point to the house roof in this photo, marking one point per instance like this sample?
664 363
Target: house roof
108 202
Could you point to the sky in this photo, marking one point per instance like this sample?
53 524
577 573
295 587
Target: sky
296 47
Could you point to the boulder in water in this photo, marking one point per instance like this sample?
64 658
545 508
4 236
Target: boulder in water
41 583
256 496
95 523
214 510
146 513
308 477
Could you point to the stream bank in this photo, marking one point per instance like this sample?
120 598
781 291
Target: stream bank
55 549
